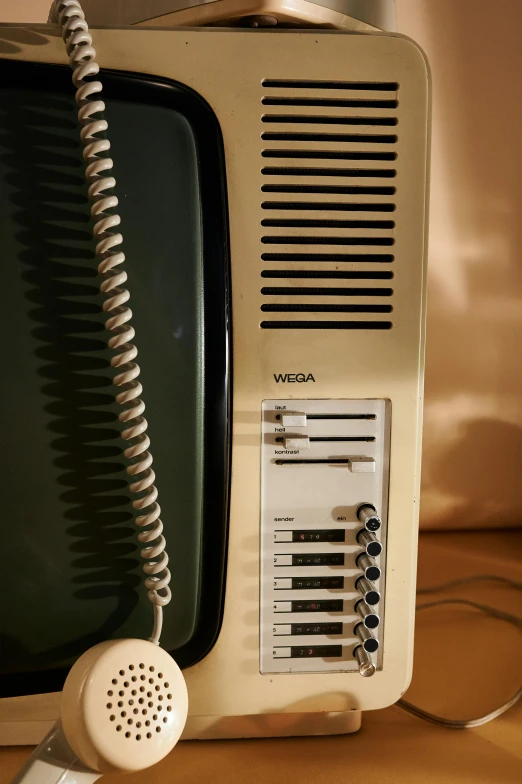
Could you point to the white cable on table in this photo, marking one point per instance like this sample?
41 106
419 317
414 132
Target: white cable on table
461 724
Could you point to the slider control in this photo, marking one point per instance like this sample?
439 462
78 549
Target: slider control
361 465
367 565
368 641
364 660
367 515
293 419
296 442
370 542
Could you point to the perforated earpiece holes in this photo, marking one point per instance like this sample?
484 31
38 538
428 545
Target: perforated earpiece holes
138 702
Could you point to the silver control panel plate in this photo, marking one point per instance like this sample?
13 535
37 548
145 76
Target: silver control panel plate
321 459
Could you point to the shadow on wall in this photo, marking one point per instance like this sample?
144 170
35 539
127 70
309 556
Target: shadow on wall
472 439
12 39
481 475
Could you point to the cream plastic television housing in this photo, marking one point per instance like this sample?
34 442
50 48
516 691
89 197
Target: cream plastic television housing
310 359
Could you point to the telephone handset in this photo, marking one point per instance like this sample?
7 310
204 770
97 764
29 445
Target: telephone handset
124 703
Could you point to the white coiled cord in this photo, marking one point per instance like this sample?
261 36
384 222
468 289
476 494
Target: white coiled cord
82 59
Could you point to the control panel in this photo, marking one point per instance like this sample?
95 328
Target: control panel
325 468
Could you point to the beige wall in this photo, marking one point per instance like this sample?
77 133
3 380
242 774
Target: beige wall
472 469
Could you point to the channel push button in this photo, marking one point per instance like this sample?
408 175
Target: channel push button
368 566
370 542
367 515
368 591
368 641
367 614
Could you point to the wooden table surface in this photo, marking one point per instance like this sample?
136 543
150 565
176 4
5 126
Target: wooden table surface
466 664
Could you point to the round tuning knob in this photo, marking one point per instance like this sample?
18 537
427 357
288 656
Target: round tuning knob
367 515
368 591
368 566
370 542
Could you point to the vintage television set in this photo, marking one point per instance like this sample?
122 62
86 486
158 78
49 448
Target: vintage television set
272 194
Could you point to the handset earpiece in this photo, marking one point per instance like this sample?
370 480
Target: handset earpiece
124 707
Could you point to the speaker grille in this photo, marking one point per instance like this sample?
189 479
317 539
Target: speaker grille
329 153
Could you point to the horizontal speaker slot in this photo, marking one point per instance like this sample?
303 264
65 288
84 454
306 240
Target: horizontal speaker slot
327 224
319 119
329 274
287 171
338 155
269 308
326 325
307 84
349 257
354 138
295 291
345 103
363 190
347 138
327 240
327 206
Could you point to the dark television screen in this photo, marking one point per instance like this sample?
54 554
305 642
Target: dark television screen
72 572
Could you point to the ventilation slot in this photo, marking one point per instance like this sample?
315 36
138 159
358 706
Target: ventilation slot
292 308
383 258
313 240
327 119
359 190
326 173
330 155
329 206
329 275
287 171
343 138
337 102
294 291
327 224
331 85
326 325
